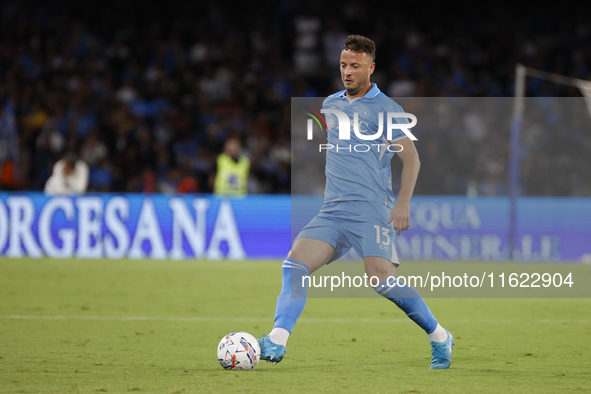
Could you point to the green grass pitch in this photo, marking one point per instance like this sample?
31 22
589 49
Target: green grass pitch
153 326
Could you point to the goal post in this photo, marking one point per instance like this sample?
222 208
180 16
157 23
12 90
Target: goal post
521 74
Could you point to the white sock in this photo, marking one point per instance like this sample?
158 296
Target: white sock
439 335
279 336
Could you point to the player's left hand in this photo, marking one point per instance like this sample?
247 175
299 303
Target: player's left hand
400 217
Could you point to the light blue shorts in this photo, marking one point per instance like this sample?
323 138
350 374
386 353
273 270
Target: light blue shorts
361 225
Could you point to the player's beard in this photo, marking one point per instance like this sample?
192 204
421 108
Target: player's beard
352 91
356 88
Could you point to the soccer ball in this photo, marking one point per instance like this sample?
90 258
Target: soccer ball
239 351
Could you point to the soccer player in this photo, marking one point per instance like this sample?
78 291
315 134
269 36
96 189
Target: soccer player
358 200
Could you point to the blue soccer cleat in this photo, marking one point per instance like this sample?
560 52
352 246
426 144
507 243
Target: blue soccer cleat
441 353
270 351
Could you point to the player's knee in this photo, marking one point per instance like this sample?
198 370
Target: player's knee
289 255
380 268
381 277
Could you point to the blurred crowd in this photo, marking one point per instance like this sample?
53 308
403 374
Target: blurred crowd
147 96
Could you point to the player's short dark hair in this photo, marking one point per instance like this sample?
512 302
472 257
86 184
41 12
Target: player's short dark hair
357 43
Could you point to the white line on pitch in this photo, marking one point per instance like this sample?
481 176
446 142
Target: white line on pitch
259 319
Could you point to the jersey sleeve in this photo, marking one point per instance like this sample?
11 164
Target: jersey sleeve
330 119
397 133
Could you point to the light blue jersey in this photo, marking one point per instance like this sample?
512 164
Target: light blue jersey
358 194
356 169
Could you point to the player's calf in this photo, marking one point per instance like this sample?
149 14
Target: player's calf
410 301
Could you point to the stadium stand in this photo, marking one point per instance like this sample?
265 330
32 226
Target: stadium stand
148 96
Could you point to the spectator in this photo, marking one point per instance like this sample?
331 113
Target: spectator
101 176
140 96
70 176
232 170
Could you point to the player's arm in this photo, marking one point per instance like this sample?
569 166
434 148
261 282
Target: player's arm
400 215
